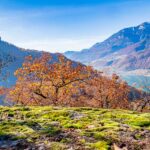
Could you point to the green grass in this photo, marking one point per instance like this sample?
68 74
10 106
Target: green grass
86 128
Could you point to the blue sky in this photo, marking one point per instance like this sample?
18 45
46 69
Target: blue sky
60 25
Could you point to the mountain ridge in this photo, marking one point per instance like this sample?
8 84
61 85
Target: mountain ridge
12 57
114 51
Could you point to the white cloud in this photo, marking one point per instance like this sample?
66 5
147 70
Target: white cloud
60 45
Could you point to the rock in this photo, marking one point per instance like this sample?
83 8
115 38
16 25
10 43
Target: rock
41 146
4 146
71 148
91 126
119 148
76 115
55 123
125 125
14 143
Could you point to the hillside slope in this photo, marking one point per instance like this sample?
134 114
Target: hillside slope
11 58
58 128
128 49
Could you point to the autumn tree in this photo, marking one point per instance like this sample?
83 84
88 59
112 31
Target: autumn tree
102 91
142 96
66 83
42 83
110 92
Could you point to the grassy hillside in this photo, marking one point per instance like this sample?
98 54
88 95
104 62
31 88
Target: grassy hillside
58 128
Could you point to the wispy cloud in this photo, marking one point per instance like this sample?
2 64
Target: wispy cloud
60 45
70 25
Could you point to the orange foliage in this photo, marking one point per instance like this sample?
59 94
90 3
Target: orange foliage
42 83
109 92
66 83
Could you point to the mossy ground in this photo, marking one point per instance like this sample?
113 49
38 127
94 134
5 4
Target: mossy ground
59 128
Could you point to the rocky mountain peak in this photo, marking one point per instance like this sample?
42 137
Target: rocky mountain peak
127 49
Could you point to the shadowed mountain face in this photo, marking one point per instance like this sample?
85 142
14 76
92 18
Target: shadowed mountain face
128 49
11 58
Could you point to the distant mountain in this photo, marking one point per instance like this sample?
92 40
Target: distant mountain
126 50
